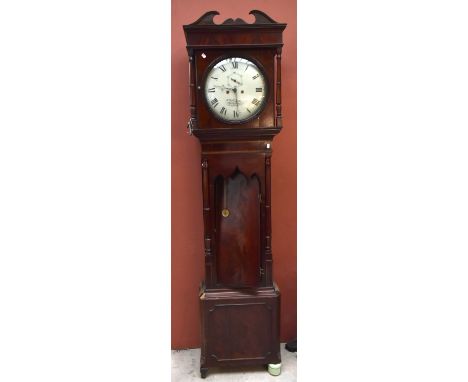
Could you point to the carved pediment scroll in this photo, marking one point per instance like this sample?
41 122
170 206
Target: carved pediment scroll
261 18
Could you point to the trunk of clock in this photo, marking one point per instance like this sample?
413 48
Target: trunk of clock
236 207
239 303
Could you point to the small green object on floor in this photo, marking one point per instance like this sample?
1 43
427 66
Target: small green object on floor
274 369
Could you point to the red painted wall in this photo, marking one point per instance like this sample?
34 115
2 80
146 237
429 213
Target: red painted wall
187 222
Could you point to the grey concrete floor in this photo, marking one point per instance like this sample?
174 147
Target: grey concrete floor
186 368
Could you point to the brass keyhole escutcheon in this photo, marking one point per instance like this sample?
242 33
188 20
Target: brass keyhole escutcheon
225 213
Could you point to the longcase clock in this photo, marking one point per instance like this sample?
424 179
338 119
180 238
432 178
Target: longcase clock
235 112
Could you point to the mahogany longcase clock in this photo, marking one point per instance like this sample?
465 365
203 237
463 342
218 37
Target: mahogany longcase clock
235 112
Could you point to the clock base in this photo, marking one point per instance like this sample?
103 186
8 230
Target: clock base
240 327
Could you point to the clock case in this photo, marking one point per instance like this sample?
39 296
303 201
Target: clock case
239 302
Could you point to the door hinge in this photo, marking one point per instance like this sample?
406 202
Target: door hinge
262 272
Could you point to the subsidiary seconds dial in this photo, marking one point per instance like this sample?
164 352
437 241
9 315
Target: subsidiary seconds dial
235 89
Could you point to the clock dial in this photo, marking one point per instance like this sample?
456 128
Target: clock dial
235 89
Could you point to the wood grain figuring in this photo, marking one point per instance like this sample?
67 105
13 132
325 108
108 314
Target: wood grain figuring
250 319
240 327
238 250
263 33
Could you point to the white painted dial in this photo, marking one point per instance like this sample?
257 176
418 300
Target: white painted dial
235 89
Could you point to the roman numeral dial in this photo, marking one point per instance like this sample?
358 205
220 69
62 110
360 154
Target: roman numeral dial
235 89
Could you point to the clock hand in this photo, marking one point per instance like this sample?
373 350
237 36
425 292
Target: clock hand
237 102
237 82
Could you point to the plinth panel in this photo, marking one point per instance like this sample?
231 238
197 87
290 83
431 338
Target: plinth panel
240 327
